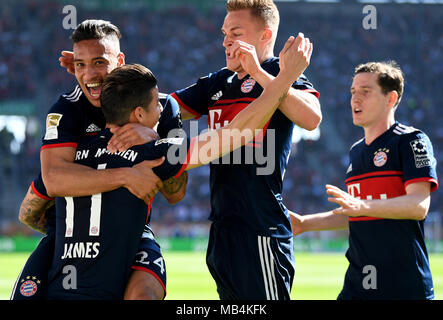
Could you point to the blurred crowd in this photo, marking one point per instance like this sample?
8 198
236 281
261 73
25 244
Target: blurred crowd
182 43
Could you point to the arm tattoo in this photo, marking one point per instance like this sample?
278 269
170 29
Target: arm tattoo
173 185
33 211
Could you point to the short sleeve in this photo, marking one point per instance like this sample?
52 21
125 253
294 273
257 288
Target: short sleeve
170 117
60 125
418 161
38 187
176 152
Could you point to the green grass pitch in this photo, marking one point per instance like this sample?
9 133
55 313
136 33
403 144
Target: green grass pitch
319 276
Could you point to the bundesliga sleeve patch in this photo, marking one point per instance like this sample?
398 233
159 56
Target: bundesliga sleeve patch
52 123
421 155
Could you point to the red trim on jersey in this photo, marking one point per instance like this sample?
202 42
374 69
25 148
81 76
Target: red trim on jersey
152 273
237 100
372 174
434 183
149 209
184 105
188 157
60 145
38 194
315 92
364 218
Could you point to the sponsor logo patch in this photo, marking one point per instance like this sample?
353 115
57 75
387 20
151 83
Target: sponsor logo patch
421 155
52 122
169 140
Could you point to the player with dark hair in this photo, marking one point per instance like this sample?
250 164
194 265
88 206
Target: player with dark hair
391 173
88 238
76 115
254 216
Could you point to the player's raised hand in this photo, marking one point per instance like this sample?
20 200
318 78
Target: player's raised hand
129 135
67 61
295 56
349 205
247 56
144 184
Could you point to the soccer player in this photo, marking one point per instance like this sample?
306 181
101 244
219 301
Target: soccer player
89 243
254 216
392 171
246 207
74 116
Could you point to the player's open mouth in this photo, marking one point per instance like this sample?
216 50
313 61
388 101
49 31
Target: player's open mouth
94 89
357 110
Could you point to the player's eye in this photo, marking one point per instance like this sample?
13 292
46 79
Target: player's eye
79 64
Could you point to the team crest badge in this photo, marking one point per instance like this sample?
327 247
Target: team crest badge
380 157
247 85
29 286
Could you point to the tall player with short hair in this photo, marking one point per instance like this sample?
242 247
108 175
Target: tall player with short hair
263 266
391 174
97 236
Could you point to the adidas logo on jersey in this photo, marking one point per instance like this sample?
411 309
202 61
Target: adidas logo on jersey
93 128
217 96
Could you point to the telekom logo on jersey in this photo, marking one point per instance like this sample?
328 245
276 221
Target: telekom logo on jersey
354 190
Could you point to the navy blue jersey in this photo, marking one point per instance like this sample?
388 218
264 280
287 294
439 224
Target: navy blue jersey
70 119
394 249
246 185
98 235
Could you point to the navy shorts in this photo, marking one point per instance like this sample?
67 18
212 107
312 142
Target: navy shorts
150 259
32 282
246 266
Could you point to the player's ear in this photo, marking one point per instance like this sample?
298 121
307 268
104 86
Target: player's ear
120 59
392 98
266 35
137 115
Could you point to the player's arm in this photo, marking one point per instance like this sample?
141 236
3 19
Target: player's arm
317 222
63 177
174 189
215 143
413 205
33 209
301 107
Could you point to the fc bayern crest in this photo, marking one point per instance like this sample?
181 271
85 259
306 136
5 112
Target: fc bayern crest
28 288
381 157
247 85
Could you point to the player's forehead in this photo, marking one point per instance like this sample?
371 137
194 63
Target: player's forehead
365 80
94 48
239 19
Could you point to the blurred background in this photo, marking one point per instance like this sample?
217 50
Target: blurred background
180 41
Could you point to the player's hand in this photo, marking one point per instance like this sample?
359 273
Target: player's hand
67 61
295 56
129 135
247 56
349 205
143 183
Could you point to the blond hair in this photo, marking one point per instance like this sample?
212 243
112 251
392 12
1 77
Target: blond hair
264 10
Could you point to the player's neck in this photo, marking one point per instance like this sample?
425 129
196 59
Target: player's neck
376 130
